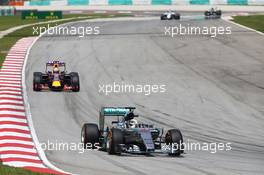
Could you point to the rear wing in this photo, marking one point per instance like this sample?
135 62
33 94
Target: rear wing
56 64
52 63
112 111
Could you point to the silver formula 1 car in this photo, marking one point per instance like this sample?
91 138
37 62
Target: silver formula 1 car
126 135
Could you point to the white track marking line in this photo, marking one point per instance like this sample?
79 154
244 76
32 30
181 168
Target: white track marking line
24 164
11 107
12 66
11 96
10 92
12 119
11 76
17 59
15 78
11 101
29 116
9 73
4 133
11 85
9 82
22 114
3 156
17 141
14 61
10 126
11 69
10 88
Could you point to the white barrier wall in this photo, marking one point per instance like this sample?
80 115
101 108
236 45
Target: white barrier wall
98 2
58 3
255 2
141 2
217 2
180 2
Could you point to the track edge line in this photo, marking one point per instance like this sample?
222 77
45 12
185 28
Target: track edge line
29 115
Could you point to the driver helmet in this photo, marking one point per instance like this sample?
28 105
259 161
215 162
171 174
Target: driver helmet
56 69
133 123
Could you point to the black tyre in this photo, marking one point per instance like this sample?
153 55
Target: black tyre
115 138
90 135
177 16
219 12
207 13
162 18
75 82
37 81
174 136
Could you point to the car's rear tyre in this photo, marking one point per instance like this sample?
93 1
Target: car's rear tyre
174 137
115 138
219 12
37 81
177 16
90 135
75 82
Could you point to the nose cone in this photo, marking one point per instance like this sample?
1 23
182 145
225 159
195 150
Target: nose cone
56 84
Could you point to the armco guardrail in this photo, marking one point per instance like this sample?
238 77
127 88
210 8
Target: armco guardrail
141 2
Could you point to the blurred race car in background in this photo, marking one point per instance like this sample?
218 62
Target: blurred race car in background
213 13
125 134
56 78
169 15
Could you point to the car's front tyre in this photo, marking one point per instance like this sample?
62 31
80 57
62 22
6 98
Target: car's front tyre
115 138
174 138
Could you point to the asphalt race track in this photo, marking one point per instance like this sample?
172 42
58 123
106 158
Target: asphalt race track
214 93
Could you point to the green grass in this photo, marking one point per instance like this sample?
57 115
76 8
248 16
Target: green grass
253 21
9 40
7 170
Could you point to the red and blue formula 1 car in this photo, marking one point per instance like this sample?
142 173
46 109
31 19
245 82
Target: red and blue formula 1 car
56 78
